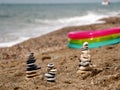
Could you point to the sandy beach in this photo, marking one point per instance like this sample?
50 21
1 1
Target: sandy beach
52 48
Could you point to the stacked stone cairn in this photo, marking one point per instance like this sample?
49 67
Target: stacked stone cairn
85 59
51 73
32 69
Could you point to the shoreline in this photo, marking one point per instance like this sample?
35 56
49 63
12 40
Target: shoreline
52 48
54 28
50 37
23 39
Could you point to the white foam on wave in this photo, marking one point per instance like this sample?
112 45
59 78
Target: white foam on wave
76 20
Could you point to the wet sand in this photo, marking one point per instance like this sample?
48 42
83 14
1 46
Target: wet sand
52 48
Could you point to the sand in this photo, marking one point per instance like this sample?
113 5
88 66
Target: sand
52 48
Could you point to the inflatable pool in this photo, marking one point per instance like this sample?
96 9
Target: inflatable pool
95 39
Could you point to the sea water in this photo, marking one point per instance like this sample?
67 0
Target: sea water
20 22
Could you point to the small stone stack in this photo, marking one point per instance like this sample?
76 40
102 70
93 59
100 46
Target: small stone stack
31 70
51 73
85 59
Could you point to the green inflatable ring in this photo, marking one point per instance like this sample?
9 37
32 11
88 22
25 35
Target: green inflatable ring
96 44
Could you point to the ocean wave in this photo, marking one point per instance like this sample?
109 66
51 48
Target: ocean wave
88 18
75 20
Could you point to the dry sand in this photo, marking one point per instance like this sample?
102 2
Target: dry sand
52 48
